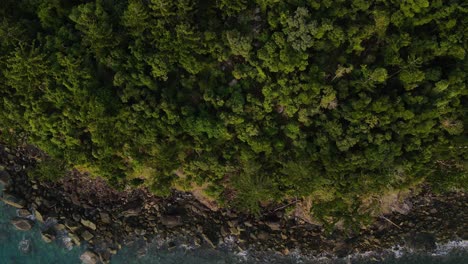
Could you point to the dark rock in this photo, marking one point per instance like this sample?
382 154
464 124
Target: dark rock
421 241
105 218
5 178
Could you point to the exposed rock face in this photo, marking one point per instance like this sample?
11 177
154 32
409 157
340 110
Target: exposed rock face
22 224
89 257
89 210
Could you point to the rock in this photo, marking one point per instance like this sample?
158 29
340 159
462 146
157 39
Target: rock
23 213
105 218
88 224
47 237
223 232
234 231
433 211
72 227
67 242
248 224
5 178
275 226
233 223
60 227
262 235
171 220
403 208
131 212
22 224
38 216
75 239
89 257
76 217
13 201
86 235
208 241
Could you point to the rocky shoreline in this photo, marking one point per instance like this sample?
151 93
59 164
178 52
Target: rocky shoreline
83 210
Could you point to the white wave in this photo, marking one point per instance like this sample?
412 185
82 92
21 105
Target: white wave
444 249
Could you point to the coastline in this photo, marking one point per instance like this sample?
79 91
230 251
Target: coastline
91 213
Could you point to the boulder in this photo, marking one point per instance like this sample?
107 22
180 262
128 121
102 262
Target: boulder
13 201
86 235
38 216
47 237
23 213
105 218
22 224
171 220
88 224
275 226
262 235
89 257
75 239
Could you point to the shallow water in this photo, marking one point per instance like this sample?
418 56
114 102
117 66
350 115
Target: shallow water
13 241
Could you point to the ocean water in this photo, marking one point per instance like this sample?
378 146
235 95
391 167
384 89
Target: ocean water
18 247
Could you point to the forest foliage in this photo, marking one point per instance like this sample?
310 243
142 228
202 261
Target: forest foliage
264 100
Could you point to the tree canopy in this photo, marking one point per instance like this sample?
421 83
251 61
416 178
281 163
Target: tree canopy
263 100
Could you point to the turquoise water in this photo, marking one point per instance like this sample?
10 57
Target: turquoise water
13 241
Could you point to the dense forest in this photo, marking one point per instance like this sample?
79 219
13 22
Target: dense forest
256 100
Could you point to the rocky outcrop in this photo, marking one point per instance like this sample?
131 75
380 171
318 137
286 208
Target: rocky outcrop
104 219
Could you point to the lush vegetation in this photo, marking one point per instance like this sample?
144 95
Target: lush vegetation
263 99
